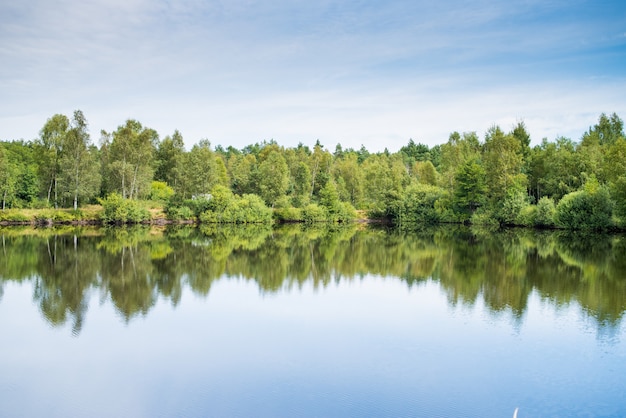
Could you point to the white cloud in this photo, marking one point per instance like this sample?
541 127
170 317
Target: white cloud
242 71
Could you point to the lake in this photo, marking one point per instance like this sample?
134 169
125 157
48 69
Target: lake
316 321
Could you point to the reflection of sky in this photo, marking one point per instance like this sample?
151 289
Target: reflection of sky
361 348
372 73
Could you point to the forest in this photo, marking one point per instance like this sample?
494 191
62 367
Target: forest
497 180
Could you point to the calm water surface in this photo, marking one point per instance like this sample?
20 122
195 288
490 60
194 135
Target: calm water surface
297 321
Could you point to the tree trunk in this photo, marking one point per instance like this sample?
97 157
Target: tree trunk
55 194
124 178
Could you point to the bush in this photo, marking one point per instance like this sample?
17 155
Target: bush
289 214
314 213
590 208
225 207
527 215
120 210
418 204
508 210
179 213
544 216
13 216
160 191
484 218
346 213
248 208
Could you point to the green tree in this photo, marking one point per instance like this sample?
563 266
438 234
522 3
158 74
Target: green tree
8 178
302 185
51 141
131 159
608 130
419 204
273 177
458 150
589 208
79 170
502 161
320 163
425 173
349 178
470 190
201 171
554 169
243 173
169 160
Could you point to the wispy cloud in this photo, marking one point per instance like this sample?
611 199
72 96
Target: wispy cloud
357 72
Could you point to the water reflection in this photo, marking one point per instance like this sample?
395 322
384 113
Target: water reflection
134 267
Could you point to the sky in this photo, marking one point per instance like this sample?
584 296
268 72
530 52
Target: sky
354 72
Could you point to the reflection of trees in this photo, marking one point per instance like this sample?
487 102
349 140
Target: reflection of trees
134 267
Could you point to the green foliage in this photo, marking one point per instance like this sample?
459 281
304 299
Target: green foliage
132 153
314 213
418 205
546 210
289 214
589 208
179 213
13 216
425 172
120 210
484 218
470 190
508 210
618 192
160 191
274 177
527 216
496 178
225 207
58 216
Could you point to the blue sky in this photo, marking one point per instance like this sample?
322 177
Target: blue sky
351 72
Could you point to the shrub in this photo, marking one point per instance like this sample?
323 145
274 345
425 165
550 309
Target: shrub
418 204
13 216
179 213
120 210
484 218
527 215
509 209
314 213
544 216
289 214
347 212
225 207
160 191
590 208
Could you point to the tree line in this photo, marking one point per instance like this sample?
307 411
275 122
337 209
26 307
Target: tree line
500 179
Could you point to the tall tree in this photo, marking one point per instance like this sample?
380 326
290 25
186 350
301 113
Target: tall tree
506 183
243 173
7 177
458 150
132 154
349 178
302 185
79 170
51 140
470 190
274 177
169 160
203 170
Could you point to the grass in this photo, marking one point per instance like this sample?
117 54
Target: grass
84 214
